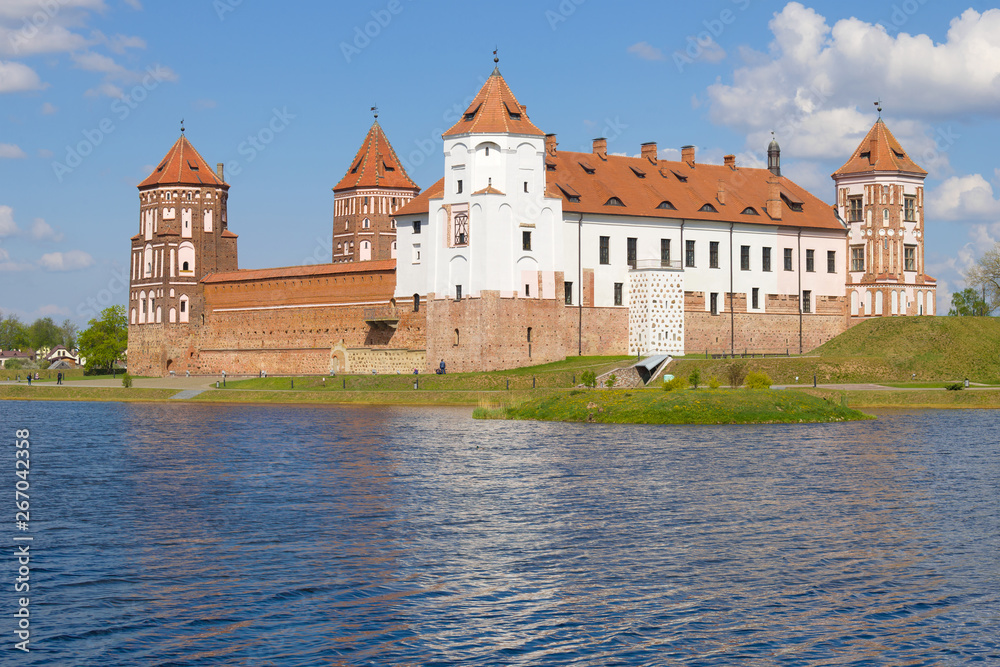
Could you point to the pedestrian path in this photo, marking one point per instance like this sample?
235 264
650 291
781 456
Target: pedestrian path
186 394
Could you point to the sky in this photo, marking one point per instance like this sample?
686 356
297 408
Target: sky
92 94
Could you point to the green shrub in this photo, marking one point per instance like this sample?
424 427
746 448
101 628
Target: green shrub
127 380
694 378
955 387
714 383
674 384
588 379
610 382
758 380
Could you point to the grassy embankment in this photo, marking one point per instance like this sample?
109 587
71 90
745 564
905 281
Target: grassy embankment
705 406
936 349
53 392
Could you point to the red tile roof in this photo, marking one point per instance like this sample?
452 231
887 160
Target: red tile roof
183 166
495 110
376 165
879 151
313 270
421 203
682 189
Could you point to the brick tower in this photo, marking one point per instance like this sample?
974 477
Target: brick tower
365 200
880 192
183 236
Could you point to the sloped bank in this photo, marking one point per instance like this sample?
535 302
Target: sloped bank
707 406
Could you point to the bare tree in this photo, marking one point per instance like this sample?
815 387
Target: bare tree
985 278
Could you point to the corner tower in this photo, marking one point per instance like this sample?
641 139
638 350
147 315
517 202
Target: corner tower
365 200
183 236
880 193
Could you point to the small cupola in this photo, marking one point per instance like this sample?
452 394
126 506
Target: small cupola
774 157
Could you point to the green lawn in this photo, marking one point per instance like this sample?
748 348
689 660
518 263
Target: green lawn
703 406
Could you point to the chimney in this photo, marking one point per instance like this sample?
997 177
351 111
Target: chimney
550 144
219 167
687 154
524 110
730 161
721 194
649 151
601 147
774 198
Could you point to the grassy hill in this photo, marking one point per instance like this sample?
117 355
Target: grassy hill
887 350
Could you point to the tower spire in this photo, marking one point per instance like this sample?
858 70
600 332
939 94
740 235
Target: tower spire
878 105
375 111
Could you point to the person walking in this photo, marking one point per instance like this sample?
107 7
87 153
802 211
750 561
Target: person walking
59 377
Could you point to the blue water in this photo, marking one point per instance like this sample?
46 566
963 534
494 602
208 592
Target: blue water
190 535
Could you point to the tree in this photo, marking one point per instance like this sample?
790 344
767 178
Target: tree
968 303
43 332
105 340
13 333
68 334
985 278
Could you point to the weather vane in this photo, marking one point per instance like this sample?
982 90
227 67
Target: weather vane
878 105
375 111
496 58
182 126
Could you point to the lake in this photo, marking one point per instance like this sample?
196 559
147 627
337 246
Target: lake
181 534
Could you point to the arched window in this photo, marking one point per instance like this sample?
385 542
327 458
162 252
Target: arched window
614 201
667 206
529 334
185 266
366 224
416 303
458 338
708 208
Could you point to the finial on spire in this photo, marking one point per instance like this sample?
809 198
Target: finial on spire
182 126
878 105
496 58
375 111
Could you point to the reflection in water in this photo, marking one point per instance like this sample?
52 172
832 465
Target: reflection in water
180 534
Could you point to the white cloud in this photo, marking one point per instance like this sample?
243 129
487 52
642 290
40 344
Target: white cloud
814 78
30 40
7 266
11 152
45 153
48 109
72 260
18 10
646 51
96 62
107 89
43 231
134 4
16 77
963 198
7 225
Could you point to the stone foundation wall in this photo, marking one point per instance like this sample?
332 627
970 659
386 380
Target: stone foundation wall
492 333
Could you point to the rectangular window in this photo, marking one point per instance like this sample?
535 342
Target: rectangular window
765 259
526 186
527 289
458 292
715 303
756 298
744 258
664 252
857 258
605 250
810 261
416 226
855 214
713 254
788 259
631 251
458 187
416 253
689 253
569 293
184 305
526 240
831 261
806 301
910 258
910 209
618 294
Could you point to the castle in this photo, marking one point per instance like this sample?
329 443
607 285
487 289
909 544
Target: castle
524 254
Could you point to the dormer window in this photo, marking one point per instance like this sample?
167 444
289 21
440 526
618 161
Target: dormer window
614 201
750 210
667 206
357 166
550 166
192 166
514 114
587 168
638 172
708 208
387 167
792 204
472 114
680 177
572 196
